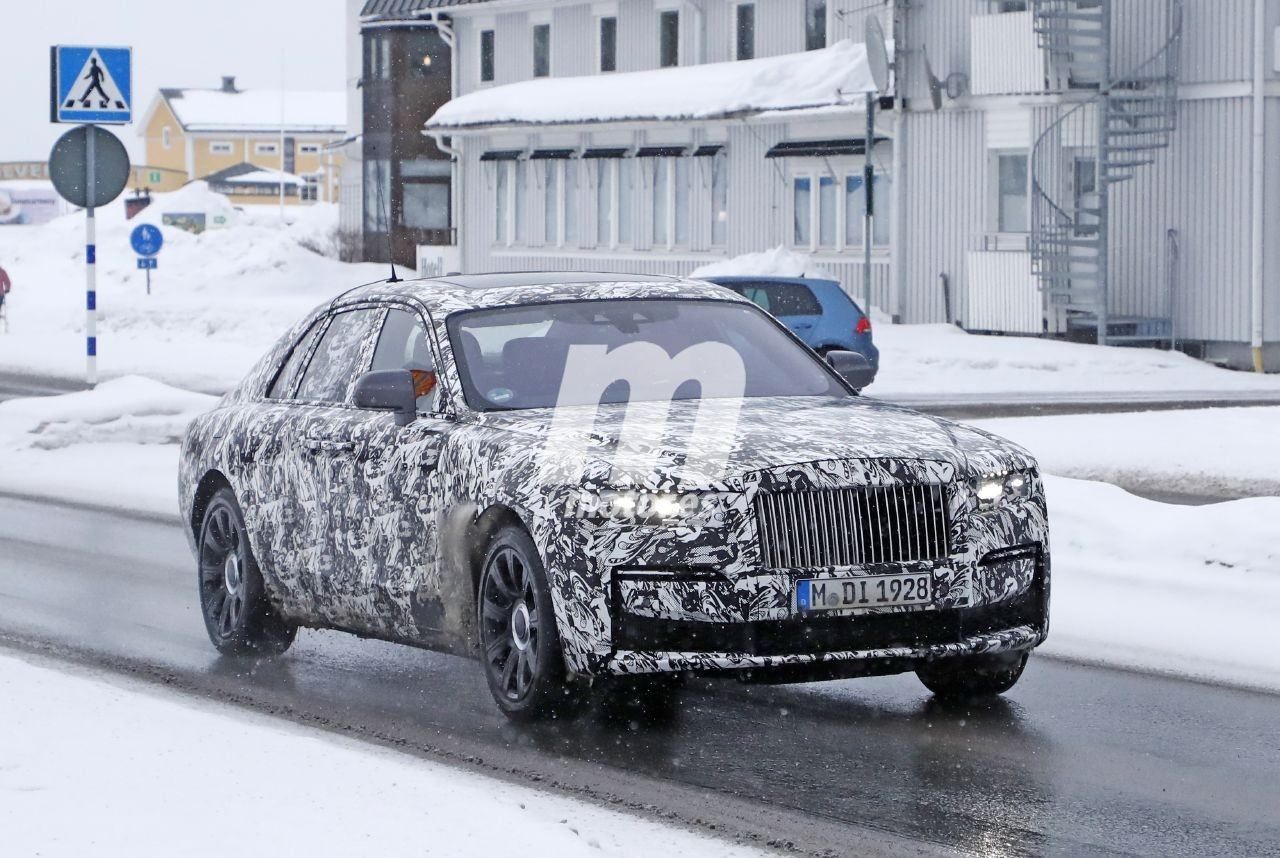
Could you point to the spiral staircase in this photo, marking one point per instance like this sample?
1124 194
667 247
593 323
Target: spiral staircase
1109 127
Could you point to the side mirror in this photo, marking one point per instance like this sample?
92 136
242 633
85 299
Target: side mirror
853 368
388 390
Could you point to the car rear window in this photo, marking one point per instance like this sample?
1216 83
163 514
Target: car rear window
781 299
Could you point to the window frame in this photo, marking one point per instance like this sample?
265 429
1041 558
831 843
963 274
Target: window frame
599 27
809 42
665 14
996 195
492 61
838 176
537 27
735 41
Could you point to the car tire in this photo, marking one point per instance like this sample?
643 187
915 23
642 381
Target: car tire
519 640
975 676
233 599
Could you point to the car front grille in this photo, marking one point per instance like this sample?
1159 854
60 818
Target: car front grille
852 526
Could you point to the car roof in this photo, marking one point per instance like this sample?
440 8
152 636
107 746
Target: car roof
734 279
458 292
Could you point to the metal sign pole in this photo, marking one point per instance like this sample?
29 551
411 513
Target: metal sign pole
90 256
868 175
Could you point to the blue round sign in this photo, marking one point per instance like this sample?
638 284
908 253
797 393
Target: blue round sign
146 239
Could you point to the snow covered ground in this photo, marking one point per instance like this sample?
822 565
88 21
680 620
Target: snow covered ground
74 785
1216 452
219 299
1140 584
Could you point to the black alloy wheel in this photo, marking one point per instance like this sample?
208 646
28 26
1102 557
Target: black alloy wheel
233 600
519 642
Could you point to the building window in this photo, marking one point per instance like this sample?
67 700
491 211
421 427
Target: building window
424 184
486 56
1003 6
815 24
541 50
827 211
220 147
855 207
377 57
605 172
719 201
310 190
509 210
744 31
166 139
608 44
309 148
669 38
266 148
626 171
802 211
551 203
1011 193
377 194
670 197
570 206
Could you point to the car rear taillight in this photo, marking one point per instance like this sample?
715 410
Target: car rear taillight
863 326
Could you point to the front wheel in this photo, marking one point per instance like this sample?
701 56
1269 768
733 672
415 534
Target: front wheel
972 676
233 599
519 641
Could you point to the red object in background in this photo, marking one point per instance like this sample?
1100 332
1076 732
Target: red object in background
5 283
863 326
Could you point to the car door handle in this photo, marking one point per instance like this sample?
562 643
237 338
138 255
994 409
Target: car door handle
338 446
311 445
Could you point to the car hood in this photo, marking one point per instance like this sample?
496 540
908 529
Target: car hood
765 433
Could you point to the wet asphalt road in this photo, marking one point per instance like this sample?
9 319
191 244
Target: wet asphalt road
1075 760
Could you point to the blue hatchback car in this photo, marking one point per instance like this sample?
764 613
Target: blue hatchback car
818 311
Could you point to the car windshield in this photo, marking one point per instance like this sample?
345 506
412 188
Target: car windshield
613 351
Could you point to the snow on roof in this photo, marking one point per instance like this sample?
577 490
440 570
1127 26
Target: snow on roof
835 75
258 177
259 110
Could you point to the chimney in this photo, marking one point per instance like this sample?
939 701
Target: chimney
229 83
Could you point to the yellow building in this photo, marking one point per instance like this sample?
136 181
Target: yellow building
241 140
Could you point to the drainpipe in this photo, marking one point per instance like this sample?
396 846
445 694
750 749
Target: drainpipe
1259 176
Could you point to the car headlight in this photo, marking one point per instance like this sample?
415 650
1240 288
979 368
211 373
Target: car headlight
627 506
996 489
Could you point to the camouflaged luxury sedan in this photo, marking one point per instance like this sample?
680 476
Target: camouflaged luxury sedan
580 477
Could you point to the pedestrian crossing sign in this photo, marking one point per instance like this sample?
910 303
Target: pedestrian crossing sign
91 85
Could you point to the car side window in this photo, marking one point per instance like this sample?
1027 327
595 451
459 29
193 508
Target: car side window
403 344
342 354
754 294
793 299
287 378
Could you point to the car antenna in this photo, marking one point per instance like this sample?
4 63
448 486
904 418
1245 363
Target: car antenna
386 213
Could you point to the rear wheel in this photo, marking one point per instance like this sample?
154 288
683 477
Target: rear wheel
972 676
519 641
233 599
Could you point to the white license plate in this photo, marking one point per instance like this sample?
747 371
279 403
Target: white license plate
868 591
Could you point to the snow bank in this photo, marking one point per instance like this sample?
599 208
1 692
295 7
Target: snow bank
115 446
102 767
219 299
839 74
1186 590
1221 452
778 262
942 361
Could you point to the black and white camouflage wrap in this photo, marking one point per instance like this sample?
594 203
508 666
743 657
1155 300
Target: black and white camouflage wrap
363 525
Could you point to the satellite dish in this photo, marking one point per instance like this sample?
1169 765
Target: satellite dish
936 86
877 53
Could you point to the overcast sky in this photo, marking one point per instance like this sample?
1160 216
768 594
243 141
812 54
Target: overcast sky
175 43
